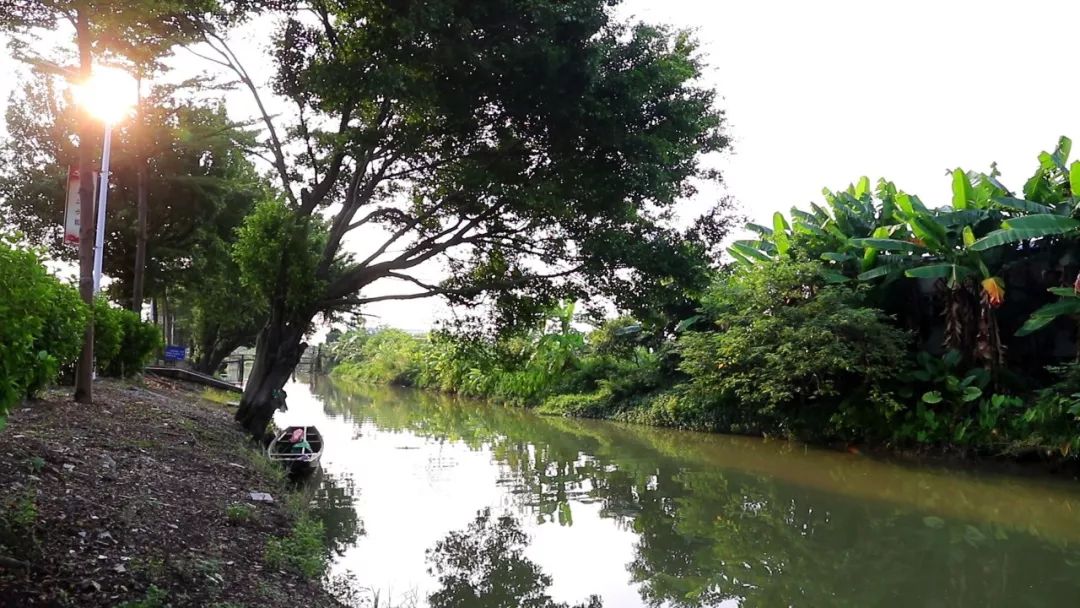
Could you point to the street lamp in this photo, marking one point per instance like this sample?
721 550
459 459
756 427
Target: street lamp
109 96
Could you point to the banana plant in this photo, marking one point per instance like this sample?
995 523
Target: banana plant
1048 211
1050 205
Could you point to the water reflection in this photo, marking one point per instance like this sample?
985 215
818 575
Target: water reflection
484 566
719 520
331 500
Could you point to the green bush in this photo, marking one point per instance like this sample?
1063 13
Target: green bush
584 405
65 317
684 408
796 356
387 356
108 332
41 324
140 342
1053 421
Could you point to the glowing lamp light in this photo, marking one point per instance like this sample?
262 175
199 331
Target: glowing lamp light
109 95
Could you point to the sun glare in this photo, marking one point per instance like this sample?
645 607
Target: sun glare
109 95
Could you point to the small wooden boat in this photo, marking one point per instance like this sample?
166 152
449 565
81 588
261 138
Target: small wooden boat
298 448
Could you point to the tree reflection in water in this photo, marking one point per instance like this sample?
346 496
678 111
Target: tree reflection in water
484 566
721 519
331 501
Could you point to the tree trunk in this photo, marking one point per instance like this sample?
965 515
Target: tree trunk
84 374
277 352
211 355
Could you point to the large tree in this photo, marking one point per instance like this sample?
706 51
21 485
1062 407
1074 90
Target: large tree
514 141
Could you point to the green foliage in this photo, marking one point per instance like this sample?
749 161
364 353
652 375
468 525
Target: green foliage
303 550
1053 421
65 317
238 513
21 514
793 355
108 332
583 405
522 368
278 250
140 343
389 356
18 516
41 324
954 406
123 343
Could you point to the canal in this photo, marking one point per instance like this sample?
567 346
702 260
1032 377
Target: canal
434 501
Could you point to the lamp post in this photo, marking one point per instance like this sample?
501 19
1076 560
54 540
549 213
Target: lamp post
103 194
108 95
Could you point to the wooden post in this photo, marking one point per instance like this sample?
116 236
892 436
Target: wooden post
240 375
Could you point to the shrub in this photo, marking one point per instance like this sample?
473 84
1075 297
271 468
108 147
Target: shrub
65 317
796 356
108 332
139 344
1053 420
386 356
585 405
41 324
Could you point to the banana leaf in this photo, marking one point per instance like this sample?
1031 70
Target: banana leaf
1046 315
874 273
962 191
1027 227
1065 292
937 271
740 258
758 228
805 227
1018 204
887 244
748 252
836 256
780 233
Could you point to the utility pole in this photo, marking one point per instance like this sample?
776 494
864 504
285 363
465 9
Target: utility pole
84 373
143 207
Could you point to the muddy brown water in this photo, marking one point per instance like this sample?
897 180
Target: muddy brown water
435 501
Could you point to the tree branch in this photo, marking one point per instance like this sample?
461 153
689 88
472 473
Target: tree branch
233 63
436 290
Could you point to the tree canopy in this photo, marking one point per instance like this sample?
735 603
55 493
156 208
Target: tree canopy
534 150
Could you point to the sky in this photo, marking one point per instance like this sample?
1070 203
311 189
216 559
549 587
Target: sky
820 93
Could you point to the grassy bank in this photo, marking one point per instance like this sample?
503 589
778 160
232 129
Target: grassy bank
143 500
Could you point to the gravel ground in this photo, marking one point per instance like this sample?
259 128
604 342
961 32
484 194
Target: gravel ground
129 499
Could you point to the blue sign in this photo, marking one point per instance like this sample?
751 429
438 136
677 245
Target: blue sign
175 353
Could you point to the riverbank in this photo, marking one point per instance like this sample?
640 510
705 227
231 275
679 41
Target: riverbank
143 498
660 411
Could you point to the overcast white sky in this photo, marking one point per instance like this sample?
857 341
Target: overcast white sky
820 93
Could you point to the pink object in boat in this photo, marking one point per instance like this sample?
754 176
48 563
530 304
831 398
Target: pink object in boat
297 435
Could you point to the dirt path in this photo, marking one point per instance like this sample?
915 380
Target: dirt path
144 496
